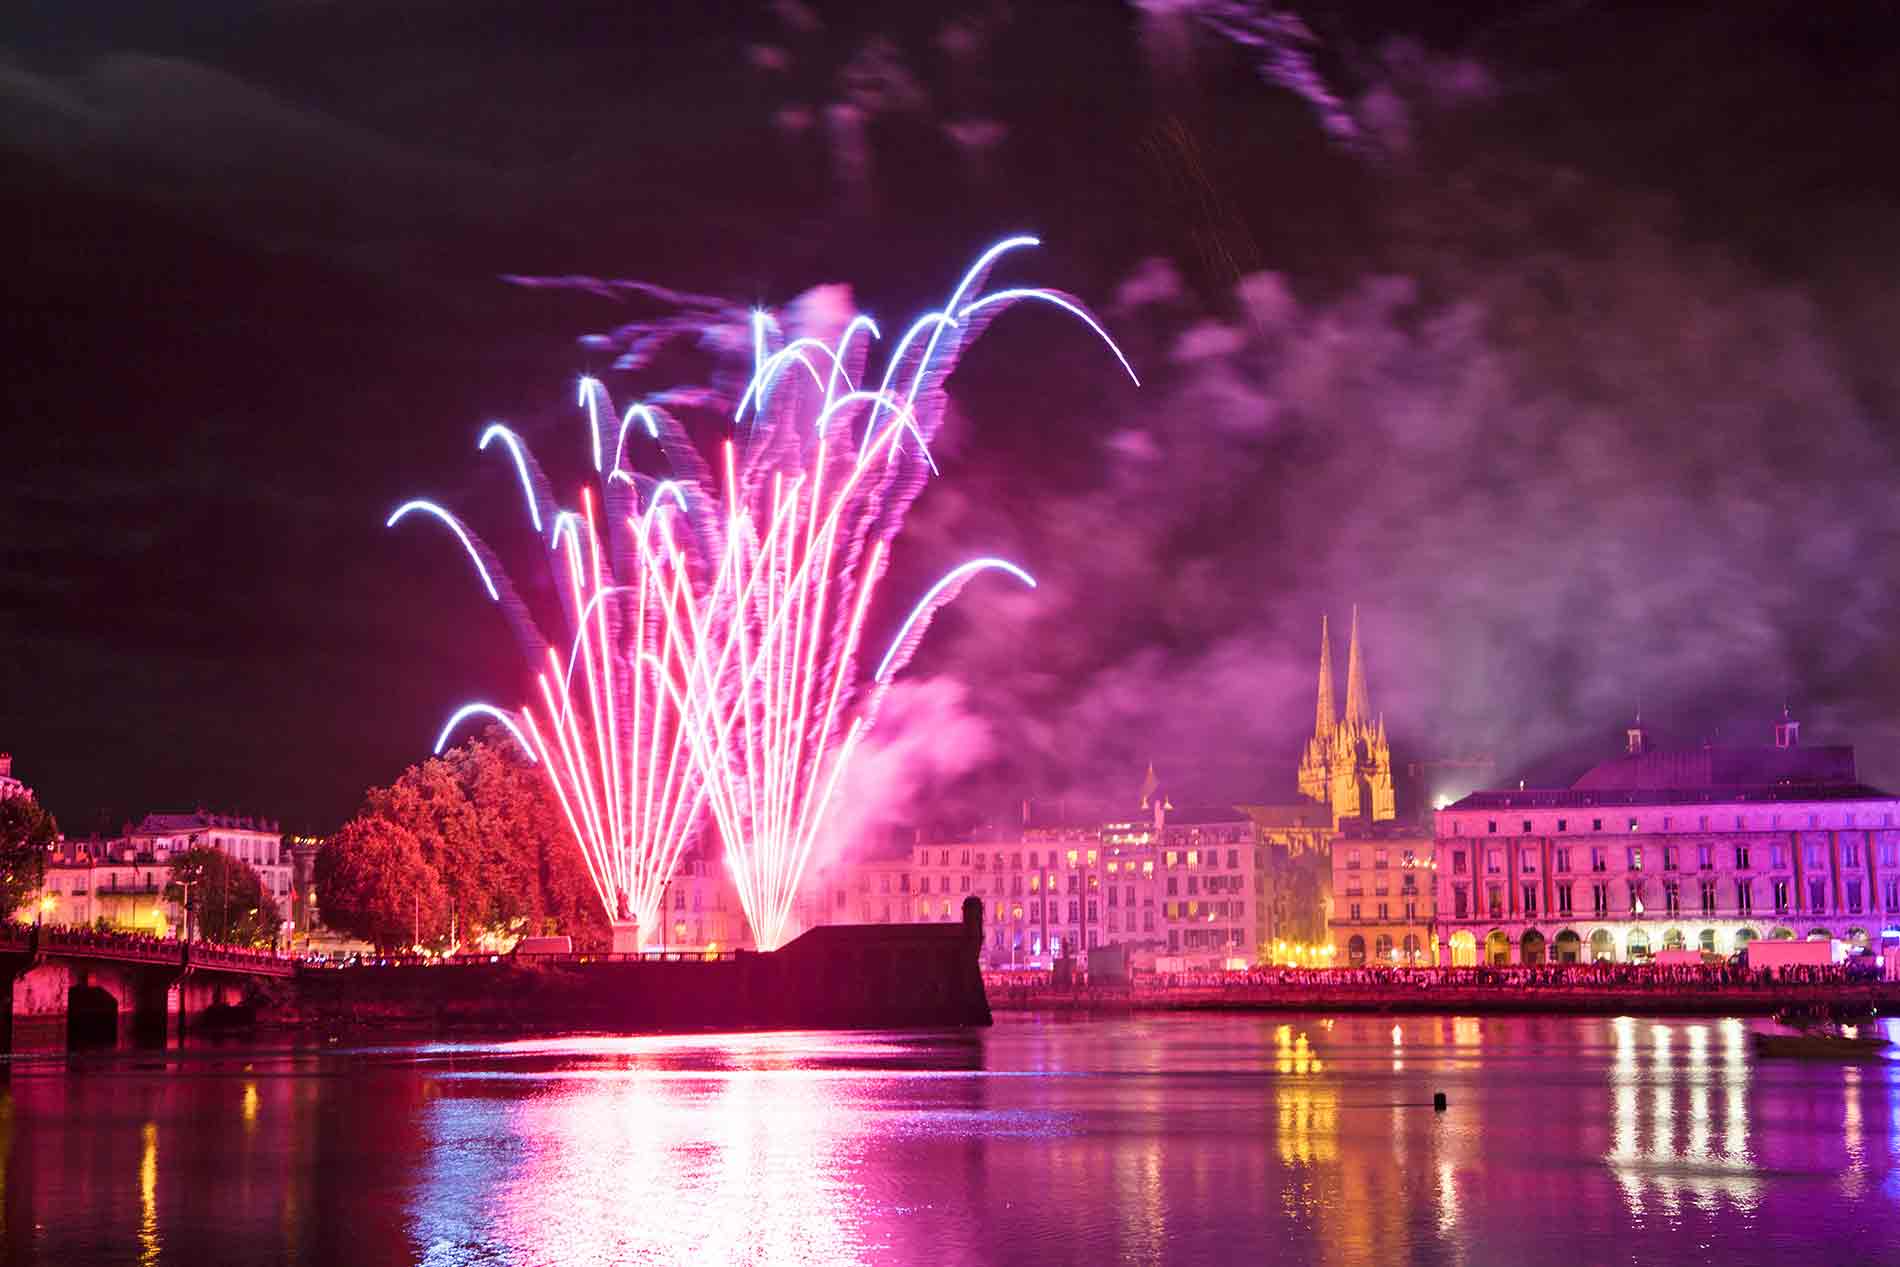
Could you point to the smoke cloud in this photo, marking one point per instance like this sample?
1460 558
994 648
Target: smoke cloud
1565 466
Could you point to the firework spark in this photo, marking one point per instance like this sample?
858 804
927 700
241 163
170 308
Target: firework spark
715 655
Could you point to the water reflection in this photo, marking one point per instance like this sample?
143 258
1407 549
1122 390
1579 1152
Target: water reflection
1190 1139
1678 1158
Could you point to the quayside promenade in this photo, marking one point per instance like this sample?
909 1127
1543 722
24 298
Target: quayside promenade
1619 989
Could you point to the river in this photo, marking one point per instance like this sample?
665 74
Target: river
1183 1139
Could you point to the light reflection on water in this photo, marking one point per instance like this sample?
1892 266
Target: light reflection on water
1184 1139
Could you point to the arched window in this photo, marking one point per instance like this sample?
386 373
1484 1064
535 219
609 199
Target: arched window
1602 946
1356 951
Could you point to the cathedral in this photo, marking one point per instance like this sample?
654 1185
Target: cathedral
1347 765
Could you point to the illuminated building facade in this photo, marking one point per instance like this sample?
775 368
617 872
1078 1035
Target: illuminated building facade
1348 763
10 786
1704 849
1384 895
703 911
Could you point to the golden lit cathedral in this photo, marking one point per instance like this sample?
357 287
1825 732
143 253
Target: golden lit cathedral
1348 764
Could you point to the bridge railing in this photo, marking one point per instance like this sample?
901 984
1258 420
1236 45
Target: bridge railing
142 947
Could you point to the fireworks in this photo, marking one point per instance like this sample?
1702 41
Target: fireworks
717 618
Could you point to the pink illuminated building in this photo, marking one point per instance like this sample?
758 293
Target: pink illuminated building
1704 849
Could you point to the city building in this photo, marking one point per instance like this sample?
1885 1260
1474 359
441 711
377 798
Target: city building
1384 893
122 881
10 786
703 911
1703 849
159 837
1348 763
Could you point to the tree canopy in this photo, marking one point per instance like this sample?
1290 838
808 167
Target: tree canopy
27 831
472 840
228 900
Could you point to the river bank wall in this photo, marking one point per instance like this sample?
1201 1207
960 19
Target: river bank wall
895 976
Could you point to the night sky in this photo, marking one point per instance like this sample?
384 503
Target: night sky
1559 337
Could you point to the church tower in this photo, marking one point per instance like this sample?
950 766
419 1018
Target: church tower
1348 763
1316 780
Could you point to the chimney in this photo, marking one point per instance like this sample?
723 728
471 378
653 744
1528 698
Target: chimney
1787 730
1637 738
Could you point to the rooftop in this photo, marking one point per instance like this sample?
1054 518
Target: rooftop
1584 798
201 820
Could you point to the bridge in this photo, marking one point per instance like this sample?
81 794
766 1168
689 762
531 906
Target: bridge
92 985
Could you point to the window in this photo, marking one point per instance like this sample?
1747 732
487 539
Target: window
1705 856
1781 897
1035 910
1889 855
1635 857
1669 857
1812 856
1233 859
1596 824
1494 900
1672 898
1114 897
1891 894
1352 860
1563 824
1741 857
1530 900
1777 857
1563 858
1148 920
1173 881
1492 826
1075 908
1354 909
1493 861
1378 860
1633 824
1527 827
903 883
1384 911
1461 902
1850 853
1708 897
1598 862
1853 895
1817 896
1563 898
1528 862
1457 862
1094 911
1600 898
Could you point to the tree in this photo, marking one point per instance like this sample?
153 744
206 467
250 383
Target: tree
227 898
486 823
374 883
27 832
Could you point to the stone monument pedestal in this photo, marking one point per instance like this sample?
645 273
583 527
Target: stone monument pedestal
626 936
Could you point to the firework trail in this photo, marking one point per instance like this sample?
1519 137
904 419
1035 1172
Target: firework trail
716 652
603 728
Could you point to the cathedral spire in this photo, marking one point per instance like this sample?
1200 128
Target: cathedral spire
1327 718
1358 703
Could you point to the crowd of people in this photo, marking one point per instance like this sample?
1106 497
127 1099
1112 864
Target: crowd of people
92 937
1592 976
